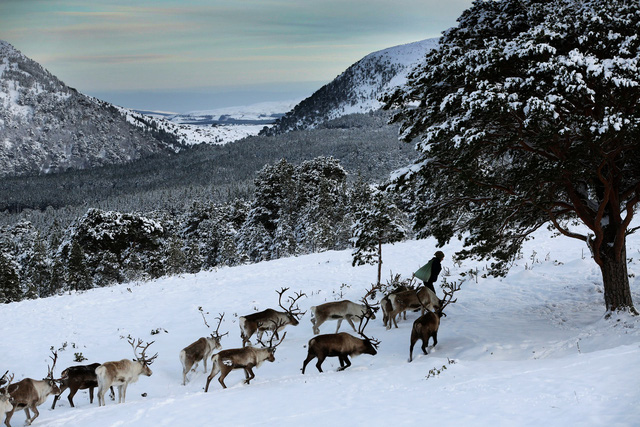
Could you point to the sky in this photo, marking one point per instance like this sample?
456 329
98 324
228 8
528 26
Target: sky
185 55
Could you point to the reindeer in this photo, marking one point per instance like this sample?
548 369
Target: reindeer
245 358
6 404
266 319
423 298
29 393
341 345
124 372
200 350
426 326
80 377
340 310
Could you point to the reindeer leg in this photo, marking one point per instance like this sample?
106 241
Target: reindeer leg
124 391
35 415
352 325
9 415
55 399
112 394
309 358
72 392
90 395
344 358
339 323
320 360
425 344
413 343
223 375
249 373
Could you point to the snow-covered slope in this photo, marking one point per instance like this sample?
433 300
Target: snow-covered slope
46 126
358 88
530 349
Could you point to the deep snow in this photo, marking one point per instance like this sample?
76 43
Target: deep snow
533 348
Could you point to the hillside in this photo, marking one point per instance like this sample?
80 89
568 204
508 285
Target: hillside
357 89
529 349
215 172
46 126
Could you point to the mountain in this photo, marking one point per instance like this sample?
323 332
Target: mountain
46 126
357 89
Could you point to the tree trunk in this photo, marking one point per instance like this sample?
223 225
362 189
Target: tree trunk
617 293
379 260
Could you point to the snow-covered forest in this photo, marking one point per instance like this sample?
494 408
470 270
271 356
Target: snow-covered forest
294 210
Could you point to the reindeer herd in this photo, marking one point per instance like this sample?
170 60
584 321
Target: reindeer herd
28 393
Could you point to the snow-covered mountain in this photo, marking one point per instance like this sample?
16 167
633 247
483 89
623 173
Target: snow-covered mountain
357 89
46 126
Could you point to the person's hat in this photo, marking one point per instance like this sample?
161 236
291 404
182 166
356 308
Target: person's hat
439 254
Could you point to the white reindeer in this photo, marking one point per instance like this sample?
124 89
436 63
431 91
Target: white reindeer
123 372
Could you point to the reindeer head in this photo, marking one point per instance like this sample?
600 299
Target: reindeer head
142 358
215 335
6 401
270 345
293 313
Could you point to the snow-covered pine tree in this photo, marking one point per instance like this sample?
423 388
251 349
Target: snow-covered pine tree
527 114
377 223
9 278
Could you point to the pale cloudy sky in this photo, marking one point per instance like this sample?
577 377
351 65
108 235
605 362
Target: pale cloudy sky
194 54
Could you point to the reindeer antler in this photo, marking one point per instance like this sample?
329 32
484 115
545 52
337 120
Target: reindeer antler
293 311
4 378
215 334
142 358
277 325
50 369
449 289
371 293
361 327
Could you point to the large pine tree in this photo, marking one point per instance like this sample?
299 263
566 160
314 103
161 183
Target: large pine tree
527 115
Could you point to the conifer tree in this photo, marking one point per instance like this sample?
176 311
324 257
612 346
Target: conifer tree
527 115
376 224
9 279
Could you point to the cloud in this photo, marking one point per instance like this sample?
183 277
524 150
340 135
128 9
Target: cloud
112 59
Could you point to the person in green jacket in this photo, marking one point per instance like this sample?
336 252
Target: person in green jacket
428 273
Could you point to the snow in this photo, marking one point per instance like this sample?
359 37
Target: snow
532 348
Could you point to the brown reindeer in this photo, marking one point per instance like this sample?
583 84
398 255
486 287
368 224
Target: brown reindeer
426 326
80 377
423 298
339 310
340 345
29 394
6 404
266 319
200 350
124 372
245 358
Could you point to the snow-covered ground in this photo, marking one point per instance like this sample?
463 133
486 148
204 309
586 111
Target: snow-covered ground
530 349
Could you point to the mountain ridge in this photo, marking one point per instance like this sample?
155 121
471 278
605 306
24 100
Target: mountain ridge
357 89
47 126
